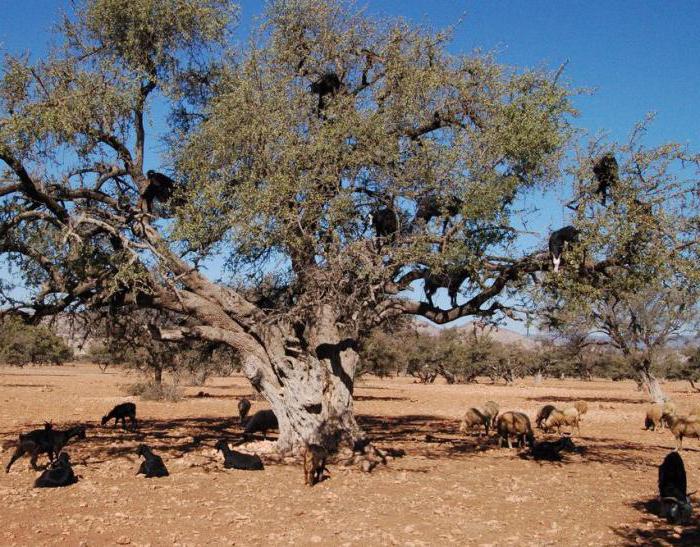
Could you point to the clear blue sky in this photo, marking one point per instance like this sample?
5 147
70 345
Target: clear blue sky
639 57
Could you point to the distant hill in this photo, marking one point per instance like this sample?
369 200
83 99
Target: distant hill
500 334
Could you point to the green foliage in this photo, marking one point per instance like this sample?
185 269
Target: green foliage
22 344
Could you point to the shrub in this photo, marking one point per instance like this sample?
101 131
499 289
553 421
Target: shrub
153 391
22 344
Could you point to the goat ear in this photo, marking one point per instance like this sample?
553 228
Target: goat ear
669 498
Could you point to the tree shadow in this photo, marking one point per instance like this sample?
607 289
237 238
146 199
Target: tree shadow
37 386
378 398
564 399
653 530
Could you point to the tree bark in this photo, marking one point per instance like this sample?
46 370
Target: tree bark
651 385
158 375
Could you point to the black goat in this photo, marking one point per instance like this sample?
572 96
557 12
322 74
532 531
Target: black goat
606 171
122 412
550 450
384 222
243 409
261 421
315 458
238 460
44 441
675 501
59 473
559 240
153 465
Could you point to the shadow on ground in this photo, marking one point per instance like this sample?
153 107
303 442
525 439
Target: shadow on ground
561 399
654 530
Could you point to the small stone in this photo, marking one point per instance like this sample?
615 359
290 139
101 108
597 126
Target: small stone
123 540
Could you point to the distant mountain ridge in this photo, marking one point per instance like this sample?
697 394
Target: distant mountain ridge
499 334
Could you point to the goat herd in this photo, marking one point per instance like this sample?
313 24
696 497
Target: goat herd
674 500
510 426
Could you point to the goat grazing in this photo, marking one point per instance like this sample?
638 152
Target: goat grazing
152 465
688 426
122 412
557 418
238 460
558 241
315 457
243 409
515 424
490 409
673 496
44 441
261 421
58 473
474 417
543 414
659 415
550 450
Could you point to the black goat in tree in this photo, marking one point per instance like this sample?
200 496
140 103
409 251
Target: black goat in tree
58 473
384 222
558 241
675 501
607 174
328 84
159 187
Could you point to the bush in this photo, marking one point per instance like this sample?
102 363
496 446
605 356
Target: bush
152 391
22 344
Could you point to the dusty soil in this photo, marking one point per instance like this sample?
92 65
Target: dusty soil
447 489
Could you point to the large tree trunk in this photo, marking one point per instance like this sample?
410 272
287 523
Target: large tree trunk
158 375
309 385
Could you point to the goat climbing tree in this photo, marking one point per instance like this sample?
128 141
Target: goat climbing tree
332 163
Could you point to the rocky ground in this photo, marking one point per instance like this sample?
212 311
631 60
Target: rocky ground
448 489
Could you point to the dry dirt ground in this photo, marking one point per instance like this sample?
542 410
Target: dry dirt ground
448 489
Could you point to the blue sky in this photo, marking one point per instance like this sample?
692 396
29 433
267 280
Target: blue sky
638 57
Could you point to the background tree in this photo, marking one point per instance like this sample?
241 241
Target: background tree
644 289
335 161
22 344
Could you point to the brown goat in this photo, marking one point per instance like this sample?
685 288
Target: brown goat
315 457
515 424
491 409
557 418
688 426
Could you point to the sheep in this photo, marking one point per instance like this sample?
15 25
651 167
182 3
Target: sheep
243 409
515 424
491 409
659 415
261 421
673 496
122 412
57 474
548 450
315 457
44 441
684 427
152 465
474 417
557 418
543 414
582 407
238 460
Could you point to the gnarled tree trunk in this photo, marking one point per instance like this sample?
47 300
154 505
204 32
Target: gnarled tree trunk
648 381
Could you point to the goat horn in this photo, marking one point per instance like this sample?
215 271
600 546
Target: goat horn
667 498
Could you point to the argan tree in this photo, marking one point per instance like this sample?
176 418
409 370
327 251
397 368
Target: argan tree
644 288
335 161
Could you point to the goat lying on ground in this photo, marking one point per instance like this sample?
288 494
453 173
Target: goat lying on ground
675 502
243 409
550 450
153 465
122 412
261 421
44 441
58 473
238 460
315 458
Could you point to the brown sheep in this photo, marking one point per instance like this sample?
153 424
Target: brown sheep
582 407
688 426
569 416
659 415
474 417
515 424
491 409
